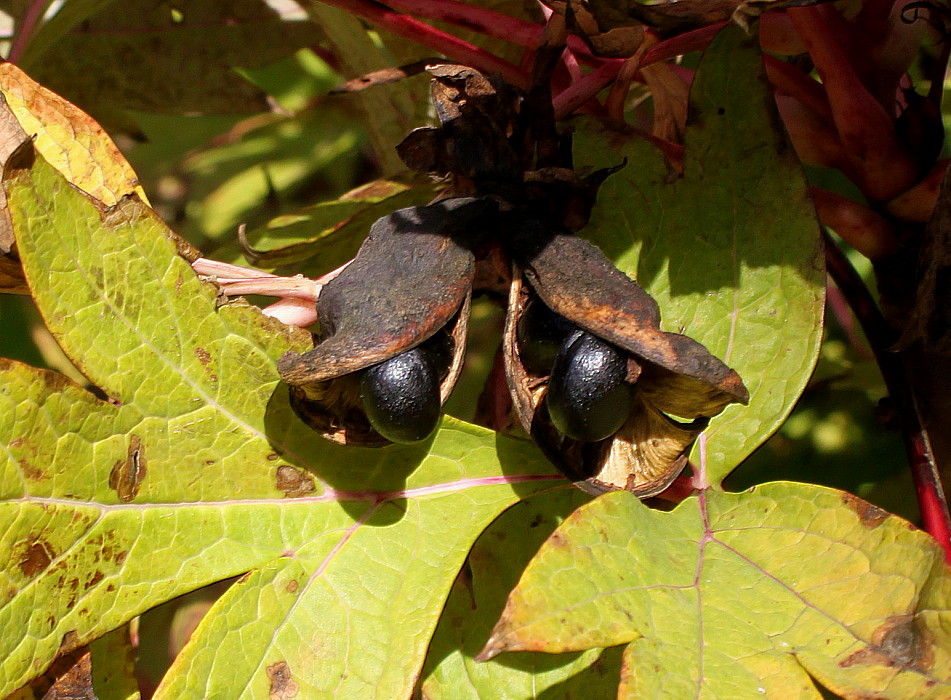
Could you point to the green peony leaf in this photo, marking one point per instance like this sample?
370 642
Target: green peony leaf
478 596
162 58
196 470
743 595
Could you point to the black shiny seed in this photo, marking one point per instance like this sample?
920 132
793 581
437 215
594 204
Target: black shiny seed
440 350
541 333
401 396
588 398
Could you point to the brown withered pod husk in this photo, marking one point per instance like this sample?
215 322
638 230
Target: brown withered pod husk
409 287
675 384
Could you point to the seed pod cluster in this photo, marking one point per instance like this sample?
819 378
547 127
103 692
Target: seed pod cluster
612 400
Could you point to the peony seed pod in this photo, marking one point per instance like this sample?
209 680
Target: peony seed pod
411 280
680 385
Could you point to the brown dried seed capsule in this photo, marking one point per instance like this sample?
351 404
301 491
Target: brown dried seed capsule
411 279
675 375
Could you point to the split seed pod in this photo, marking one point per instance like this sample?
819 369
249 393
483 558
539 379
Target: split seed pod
411 280
679 384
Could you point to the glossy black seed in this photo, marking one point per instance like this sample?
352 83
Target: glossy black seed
541 333
588 398
401 396
440 350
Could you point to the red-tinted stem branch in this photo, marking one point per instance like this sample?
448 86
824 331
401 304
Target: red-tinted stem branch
793 82
590 85
487 22
694 40
931 499
433 38
866 129
867 231
31 18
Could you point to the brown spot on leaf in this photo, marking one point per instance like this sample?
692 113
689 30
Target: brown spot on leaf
293 482
120 557
94 579
30 471
128 474
283 686
871 516
205 358
37 555
899 642
69 643
292 586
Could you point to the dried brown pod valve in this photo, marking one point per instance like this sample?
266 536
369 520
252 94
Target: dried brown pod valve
679 384
410 282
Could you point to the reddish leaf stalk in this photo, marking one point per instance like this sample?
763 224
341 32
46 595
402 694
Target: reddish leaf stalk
433 38
931 499
590 85
865 230
793 82
695 40
31 18
917 204
866 129
484 21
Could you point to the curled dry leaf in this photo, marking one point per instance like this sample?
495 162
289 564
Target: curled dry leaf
411 279
676 377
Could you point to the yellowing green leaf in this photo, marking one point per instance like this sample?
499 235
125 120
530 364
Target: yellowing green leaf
164 58
478 596
321 237
196 470
743 595
68 138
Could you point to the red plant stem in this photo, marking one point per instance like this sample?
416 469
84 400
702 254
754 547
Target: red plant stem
484 21
436 39
477 19
617 97
931 499
918 203
793 82
695 40
680 489
867 231
866 129
34 13
590 85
